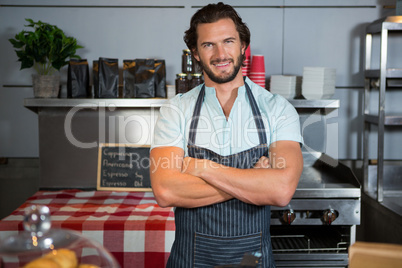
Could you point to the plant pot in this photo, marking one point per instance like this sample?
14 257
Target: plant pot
46 86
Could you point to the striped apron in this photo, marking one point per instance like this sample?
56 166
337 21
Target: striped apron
222 233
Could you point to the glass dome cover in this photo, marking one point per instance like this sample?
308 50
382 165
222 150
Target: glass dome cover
39 246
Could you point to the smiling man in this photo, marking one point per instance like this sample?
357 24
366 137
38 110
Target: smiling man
224 152
218 43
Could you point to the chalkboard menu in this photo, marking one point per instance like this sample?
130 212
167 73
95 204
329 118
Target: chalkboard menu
123 167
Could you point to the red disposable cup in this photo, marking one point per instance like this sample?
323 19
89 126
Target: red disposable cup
257 70
258 79
257 64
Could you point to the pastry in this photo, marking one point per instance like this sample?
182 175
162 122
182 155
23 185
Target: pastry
64 257
61 258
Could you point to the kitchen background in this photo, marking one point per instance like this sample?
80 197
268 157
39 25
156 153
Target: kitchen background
291 34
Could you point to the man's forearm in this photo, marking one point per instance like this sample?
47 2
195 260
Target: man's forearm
171 187
259 186
183 190
254 186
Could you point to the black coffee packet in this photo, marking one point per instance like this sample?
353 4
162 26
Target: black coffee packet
128 78
144 86
144 78
160 79
108 78
78 79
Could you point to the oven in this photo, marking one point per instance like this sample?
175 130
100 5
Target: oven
319 224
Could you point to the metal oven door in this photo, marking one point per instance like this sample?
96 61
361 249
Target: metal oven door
314 232
311 246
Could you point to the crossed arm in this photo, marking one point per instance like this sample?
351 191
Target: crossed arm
188 182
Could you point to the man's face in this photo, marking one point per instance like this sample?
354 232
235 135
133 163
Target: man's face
219 50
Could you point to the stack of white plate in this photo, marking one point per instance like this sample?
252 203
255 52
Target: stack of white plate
288 86
318 82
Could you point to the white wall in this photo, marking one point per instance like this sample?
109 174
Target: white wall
290 34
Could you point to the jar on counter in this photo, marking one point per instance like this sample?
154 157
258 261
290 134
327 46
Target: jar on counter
196 79
186 62
181 83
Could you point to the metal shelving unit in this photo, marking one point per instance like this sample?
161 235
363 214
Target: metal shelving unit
382 79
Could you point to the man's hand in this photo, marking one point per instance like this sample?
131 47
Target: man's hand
173 183
195 167
263 162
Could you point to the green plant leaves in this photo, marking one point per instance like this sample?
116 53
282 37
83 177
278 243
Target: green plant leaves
26 61
46 47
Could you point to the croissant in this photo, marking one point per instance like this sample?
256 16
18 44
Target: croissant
61 258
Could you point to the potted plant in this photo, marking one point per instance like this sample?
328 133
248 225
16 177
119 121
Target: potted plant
46 49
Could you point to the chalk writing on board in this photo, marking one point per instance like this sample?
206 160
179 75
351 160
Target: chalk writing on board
123 167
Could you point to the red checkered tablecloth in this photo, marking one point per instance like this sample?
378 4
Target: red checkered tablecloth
130 225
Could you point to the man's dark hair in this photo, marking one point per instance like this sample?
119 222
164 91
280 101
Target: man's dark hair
212 13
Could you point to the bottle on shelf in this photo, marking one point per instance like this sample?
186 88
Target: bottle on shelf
186 62
181 83
196 79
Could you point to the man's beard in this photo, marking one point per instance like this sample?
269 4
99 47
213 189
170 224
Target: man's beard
227 77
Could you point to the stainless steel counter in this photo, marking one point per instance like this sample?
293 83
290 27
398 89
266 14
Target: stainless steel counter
324 177
70 131
35 103
325 184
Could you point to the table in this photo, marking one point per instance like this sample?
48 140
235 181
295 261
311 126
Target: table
130 225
